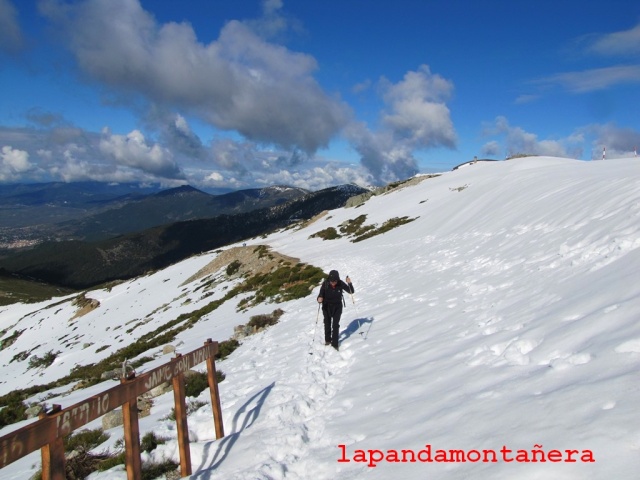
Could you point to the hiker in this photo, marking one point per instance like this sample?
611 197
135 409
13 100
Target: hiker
330 297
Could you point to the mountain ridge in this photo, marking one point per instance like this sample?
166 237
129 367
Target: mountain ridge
91 211
80 264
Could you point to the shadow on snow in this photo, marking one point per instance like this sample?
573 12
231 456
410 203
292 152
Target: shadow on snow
359 324
244 418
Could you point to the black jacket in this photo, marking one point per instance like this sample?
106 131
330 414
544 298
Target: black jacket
331 294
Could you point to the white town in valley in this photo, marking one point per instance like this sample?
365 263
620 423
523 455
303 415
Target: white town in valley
495 336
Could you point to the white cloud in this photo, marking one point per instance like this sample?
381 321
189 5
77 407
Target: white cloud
13 163
526 98
617 44
17 160
619 142
132 150
491 148
595 79
415 117
626 42
516 140
417 110
239 82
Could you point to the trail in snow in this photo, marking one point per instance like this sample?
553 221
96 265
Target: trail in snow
281 384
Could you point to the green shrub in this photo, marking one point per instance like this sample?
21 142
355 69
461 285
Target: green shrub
262 250
278 285
265 320
353 227
233 267
385 227
520 155
195 383
46 360
326 234
150 442
151 471
191 408
10 340
12 412
226 347
112 461
85 439
19 357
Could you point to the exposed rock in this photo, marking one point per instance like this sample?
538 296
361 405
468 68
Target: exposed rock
160 389
85 305
358 200
114 418
111 374
33 411
255 259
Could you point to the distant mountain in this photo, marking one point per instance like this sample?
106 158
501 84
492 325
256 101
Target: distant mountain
27 205
78 264
73 195
91 211
170 206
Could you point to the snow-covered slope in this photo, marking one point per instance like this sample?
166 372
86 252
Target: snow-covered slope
502 320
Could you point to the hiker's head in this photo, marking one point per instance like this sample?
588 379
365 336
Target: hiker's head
334 276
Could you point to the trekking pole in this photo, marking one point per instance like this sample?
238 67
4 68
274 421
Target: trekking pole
368 329
354 303
315 328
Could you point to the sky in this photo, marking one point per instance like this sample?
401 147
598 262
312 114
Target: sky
230 95
481 324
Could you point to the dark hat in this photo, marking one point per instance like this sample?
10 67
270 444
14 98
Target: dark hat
334 275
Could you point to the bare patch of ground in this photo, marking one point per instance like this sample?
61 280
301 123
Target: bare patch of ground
254 259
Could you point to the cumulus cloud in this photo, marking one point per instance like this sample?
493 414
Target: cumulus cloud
318 177
516 140
491 149
11 36
417 111
13 163
620 142
132 150
239 82
175 133
242 82
415 117
68 153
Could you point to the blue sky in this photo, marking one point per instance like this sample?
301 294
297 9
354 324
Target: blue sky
223 94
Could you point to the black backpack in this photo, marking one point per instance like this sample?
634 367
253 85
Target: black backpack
327 286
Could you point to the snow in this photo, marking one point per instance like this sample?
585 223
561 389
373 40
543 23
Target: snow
504 318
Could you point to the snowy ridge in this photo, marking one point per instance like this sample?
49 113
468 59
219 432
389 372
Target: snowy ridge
503 319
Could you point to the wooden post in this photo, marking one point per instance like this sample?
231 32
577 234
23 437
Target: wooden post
215 396
180 406
131 437
53 462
